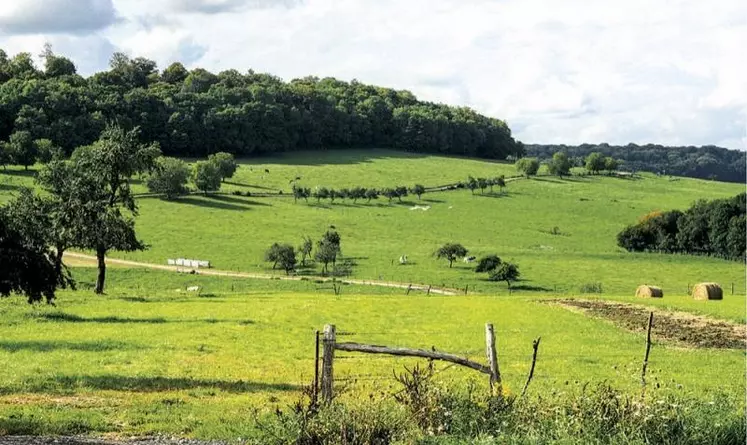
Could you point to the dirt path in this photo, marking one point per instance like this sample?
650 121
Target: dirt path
79 258
682 327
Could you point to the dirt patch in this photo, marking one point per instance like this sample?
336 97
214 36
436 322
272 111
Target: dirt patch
688 329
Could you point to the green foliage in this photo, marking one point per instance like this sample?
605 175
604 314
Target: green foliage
488 263
527 166
611 164
169 177
46 151
285 257
450 252
21 149
507 272
305 250
328 249
27 266
559 165
707 228
418 189
704 162
371 194
321 193
591 288
301 193
482 184
226 164
206 176
595 162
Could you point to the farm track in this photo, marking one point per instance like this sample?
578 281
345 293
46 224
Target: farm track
79 257
685 328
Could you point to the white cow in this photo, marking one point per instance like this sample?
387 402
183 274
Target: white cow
403 259
469 259
193 289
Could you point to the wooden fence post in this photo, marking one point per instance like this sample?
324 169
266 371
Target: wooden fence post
429 290
465 289
330 339
316 370
645 358
496 387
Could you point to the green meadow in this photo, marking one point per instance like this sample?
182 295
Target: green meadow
149 357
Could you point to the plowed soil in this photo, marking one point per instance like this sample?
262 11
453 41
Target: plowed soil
688 329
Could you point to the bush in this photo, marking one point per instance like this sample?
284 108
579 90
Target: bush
169 177
236 192
488 264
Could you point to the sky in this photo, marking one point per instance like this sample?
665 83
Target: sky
670 72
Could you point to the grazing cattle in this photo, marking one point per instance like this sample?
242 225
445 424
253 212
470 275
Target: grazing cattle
403 259
267 170
469 259
193 289
298 178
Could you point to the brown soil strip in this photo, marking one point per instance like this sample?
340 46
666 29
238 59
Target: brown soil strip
688 329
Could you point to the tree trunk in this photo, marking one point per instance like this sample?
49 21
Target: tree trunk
450 263
58 261
101 257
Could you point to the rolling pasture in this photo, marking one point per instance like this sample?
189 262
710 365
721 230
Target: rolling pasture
149 357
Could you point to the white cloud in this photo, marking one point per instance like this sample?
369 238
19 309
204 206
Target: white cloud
568 71
55 16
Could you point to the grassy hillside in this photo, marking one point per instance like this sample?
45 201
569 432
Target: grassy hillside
233 232
147 359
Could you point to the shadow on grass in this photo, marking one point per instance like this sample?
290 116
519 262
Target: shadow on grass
431 200
71 318
253 186
495 195
25 173
238 201
221 202
47 346
531 288
114 382
10 187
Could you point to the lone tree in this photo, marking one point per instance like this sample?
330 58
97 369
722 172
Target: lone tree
327 250
472 184
26 264
226 164
305 250
206 176
389 193
272 255
418 189
101 174
560 165
595 162
488 263
287 258
507 272
169 177
451 251
527 166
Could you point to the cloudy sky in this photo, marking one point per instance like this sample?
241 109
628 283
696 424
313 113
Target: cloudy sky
558 71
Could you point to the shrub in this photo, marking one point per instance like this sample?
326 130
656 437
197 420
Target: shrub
488 263
591 288
169 177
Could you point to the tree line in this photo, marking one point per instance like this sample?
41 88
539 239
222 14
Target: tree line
706 162
714 228
196 113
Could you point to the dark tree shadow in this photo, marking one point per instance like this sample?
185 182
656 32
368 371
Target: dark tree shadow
25 173
113 382
439 201
529 287
10 187
47 346
547 179
252 186
72 318
237 200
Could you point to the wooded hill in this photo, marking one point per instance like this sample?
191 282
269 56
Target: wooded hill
195 113
706 162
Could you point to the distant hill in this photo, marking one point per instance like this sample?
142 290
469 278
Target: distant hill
706 162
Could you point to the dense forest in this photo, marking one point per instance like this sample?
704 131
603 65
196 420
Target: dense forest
714 228
196 113
707 162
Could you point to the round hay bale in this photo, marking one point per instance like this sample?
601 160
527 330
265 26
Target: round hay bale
708 291
646 291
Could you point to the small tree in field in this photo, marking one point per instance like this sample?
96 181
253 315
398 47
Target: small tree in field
372 194
472 184
301 193
594 162
528 166
169 177
507 272
560 165
305 250
450 252
488 264
482 184
611 164
272 255
22 149
418 190
287 258
401 192
357 193
206 176
226 164
321 193
500 181
389 193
